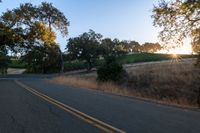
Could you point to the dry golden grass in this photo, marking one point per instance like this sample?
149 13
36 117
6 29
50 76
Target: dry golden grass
90 83
174 82
75 81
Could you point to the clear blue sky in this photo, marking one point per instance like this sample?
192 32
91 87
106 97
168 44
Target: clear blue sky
122 19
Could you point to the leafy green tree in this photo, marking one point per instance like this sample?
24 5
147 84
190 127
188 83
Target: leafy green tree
51 16
119 47
178 19
131 46
44 55
126 46
108 46
150 47
113 47
43 59
85 47
10 38
7 39
29 27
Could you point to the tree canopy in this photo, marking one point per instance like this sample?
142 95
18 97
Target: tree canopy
114 47
85 47
31 29
150 47
26 18
178 19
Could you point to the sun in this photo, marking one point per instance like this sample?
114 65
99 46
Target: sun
184 49
181 50
174 56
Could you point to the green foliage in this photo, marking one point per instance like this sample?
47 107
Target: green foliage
110 71
131 46
4 60
143 57
10 37
78 65
75 65
29 29
43 59
85 47
112 47
150 47
51 16
45 56
16 63
125 59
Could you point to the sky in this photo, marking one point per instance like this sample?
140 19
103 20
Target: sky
122 19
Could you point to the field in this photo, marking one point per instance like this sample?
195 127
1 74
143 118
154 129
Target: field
148 57
172 82
125 59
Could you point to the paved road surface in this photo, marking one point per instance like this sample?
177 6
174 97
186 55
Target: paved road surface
23 112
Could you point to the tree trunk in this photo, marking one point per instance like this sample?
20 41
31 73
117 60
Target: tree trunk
61 62
89 65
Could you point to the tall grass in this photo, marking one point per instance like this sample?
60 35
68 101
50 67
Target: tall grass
172 83
176 81
79 81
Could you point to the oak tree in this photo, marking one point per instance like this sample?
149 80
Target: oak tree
178 19
85 47
30 26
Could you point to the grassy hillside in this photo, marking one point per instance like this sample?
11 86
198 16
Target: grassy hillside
126 59
147 57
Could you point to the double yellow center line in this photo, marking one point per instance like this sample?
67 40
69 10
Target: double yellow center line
91 120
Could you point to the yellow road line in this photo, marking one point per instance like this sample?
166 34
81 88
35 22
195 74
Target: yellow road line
91 120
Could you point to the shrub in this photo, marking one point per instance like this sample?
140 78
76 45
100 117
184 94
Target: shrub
16 63
4 60
74 65
111 70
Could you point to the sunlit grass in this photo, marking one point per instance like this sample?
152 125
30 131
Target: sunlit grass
168 82
90 82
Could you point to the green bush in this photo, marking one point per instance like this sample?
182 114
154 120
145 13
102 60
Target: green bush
16 63
3 63
74 65
111 70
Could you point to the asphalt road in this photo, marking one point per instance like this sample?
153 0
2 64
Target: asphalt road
22 111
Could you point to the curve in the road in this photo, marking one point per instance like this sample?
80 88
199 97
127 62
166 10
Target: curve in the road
91 120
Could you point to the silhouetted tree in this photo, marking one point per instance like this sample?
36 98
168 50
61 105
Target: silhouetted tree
150 47
85 47
178 19
113 47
